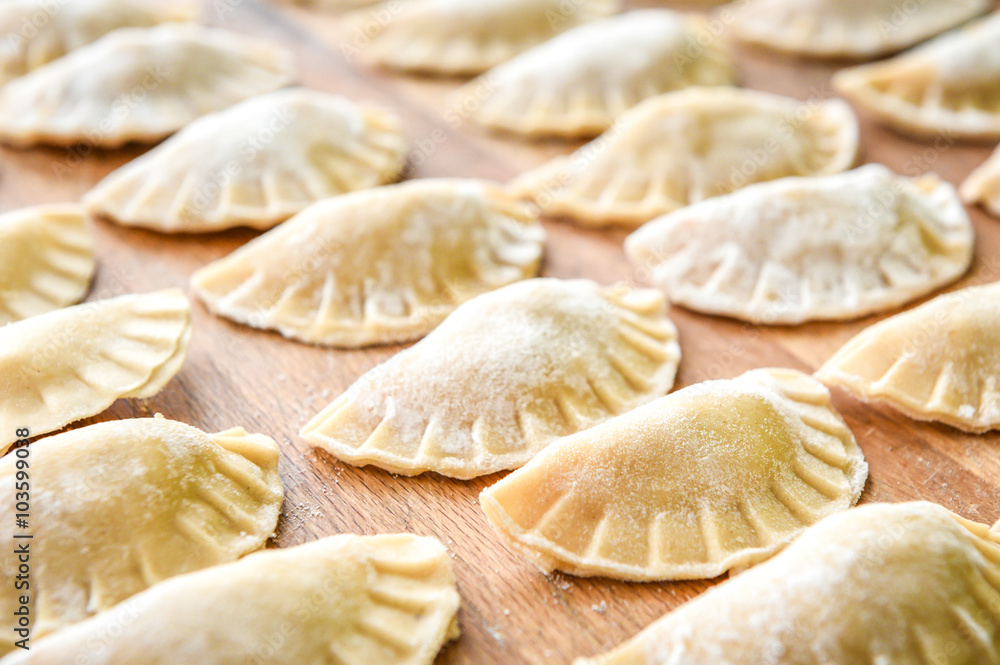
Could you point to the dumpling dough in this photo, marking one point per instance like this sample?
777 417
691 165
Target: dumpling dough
803 249
948 88
849 28
255 164
505 375
983 185
73 363
682 147
138 84
40 31
46 260
378 266
716 476
390 600
576 84
885 583
120 506
940 361
458 37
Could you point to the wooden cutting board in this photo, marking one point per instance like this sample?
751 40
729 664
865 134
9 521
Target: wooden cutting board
235 376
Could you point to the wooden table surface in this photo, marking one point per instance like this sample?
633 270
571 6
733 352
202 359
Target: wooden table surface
510 612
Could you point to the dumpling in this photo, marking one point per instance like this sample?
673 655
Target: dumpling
576 84
853 29
885 583
804 249
948 88
458 37
505 375
983 185
940 361
390 600
717 476
46 260
682 147
138 84
120 506
377 266
73 363
40 31
255 164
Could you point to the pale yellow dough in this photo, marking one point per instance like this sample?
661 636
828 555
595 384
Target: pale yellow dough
682 147
983 185
46 260
120 506
804 249
946 89
940 361
344 600
458 37
255 164
40 31
138 84
505 375
884 584
848 28
378 266
73 363
717 476
576 84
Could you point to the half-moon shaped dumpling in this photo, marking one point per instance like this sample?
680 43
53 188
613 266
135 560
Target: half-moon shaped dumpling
577 83
940 361
714 477
377 266
885 583
949 87
138 84
40 31
505 375
73 363
849 29
120 506
343 600
983 185
682 147
458 37
255 164
46 260
804 249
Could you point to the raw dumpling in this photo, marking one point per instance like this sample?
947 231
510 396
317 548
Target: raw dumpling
255 164
717 476
577 83
40 31
948 88
138 84
803 249
983 185
378 266
849 28
505 375
458 37
73 363
46 260
119 506
348 600
940 361
886 583
686 146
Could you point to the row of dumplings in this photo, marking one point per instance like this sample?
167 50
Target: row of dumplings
772 458
544 358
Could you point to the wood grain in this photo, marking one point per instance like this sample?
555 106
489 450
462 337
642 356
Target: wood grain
510 612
